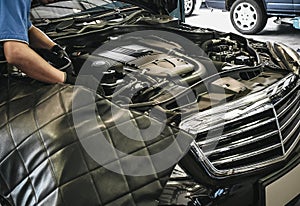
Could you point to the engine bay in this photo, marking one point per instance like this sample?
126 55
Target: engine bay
156 72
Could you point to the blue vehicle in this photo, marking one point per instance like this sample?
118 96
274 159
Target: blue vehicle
250 16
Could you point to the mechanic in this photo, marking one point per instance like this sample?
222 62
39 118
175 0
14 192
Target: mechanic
18 36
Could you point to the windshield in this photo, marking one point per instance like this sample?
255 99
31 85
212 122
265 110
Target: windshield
74 7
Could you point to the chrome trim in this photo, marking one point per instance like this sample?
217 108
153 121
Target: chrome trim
241 143
293 145
288 107
290 119
231 112
287 102
280 134
291 133
235 158
214 139
203 159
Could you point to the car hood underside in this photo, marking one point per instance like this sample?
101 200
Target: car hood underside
156 6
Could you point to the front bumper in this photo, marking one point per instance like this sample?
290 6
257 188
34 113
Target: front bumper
259 190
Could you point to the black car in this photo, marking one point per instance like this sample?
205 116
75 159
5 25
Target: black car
250 16
162 113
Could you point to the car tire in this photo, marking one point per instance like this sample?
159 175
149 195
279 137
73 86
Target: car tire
189 6
248 16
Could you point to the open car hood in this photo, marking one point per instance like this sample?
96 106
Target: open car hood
164 7
155 6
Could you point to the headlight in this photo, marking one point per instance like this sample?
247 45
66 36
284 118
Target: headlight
290 57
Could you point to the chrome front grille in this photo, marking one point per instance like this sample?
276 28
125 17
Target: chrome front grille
255 140
288 114
244 142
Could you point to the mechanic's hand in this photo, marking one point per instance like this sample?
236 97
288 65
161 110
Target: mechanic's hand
88 81
70 78
59 51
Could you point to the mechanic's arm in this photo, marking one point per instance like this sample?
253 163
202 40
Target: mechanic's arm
32 64
38 39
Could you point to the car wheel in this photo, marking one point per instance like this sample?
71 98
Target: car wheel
189 6
248 17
